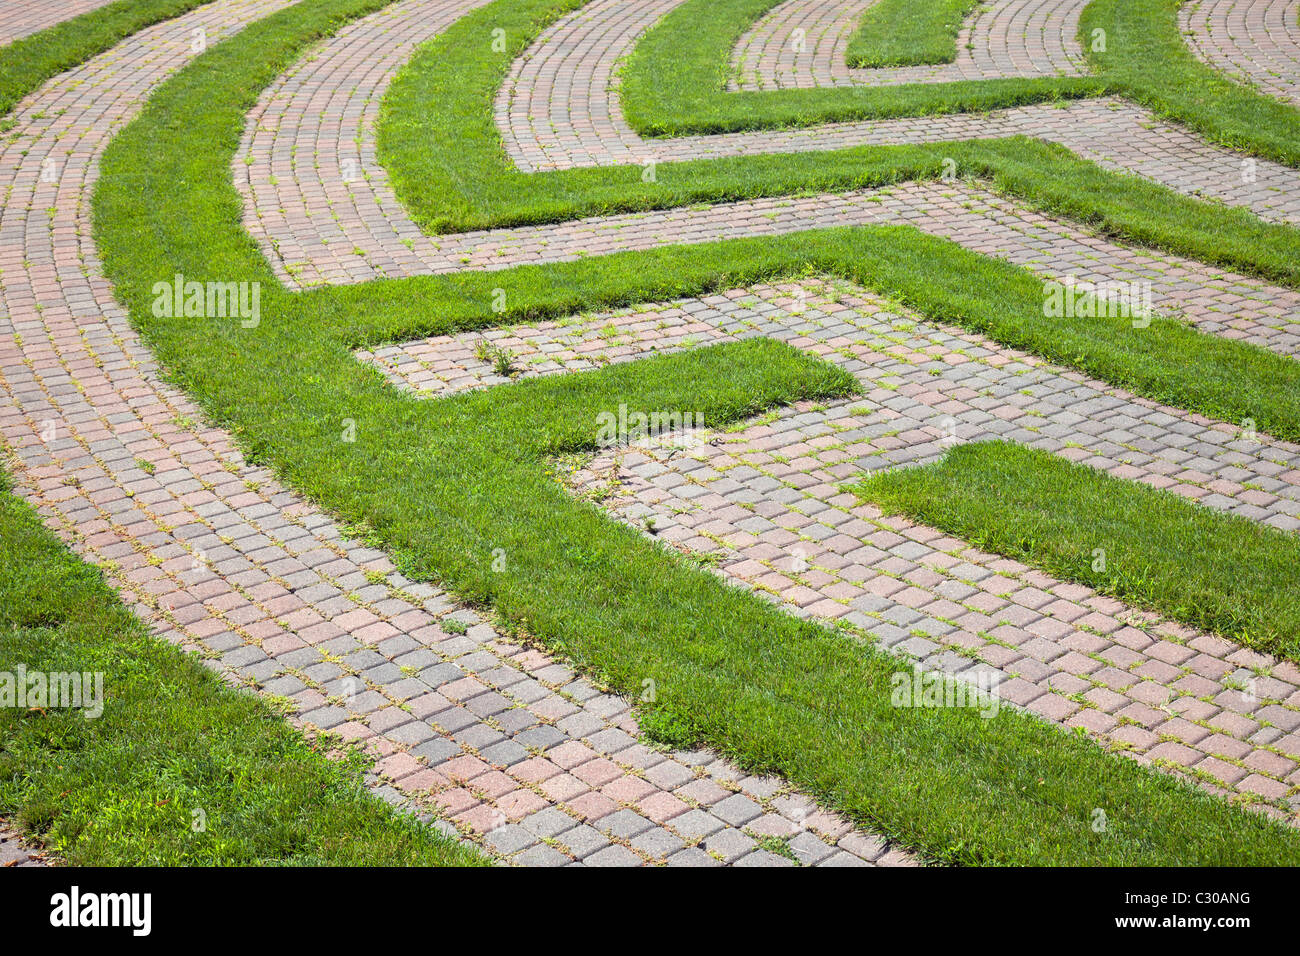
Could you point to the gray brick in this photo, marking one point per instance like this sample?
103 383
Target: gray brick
656 843
436 750
613 855
551 822
729 844
542 855
737 810
624 824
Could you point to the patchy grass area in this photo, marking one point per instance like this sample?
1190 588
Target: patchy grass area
1210 570
907 33
443 484
179 769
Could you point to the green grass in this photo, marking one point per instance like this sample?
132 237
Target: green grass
1210 570
122 789
442 485
439 142
1149 61
907 33
674 84
27 63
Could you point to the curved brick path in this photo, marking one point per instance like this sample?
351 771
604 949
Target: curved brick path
504 740
535 762
559 108
1257 41
314 191
323 210
20 18
768 501
1241 741
803 43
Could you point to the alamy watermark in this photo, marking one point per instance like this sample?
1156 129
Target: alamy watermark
1071 298
75 908
621 427
208 300
937 689
71 690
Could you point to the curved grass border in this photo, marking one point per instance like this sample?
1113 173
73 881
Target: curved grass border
28 62
441 484
438 139
104 793
173 746
1204 568
907 33
674 83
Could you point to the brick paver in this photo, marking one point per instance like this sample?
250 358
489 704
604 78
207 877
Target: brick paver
14 852
323 211
768 502
804 43
504 742
20 18
509 746
1256 41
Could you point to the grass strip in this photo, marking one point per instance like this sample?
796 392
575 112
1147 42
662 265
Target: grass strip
675 82
443 485
938 278
439 141
906 33
28 62
1210 570
1147 59
179 769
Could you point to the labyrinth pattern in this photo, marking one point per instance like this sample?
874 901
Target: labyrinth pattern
510 746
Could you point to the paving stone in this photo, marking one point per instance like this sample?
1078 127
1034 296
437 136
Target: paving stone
613 855
106 390
737 810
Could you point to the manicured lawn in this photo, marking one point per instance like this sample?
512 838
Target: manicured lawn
1210 570
439 142
443 485
179 769
907 33
675 82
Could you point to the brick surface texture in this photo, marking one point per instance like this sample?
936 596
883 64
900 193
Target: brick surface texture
505 745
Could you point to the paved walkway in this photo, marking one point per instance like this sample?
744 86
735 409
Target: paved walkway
516 750
768 502
560 109
1256 41
323 211
14 852
507 743
804 43
20 18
